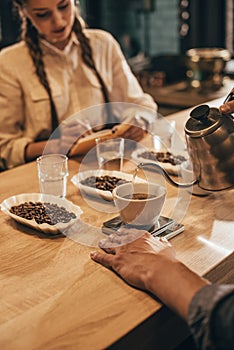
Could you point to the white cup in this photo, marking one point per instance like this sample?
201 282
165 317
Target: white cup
139 204
188 176
52 174
162 131
110 154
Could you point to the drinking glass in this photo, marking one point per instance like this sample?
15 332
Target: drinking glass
162 131
52 173
110 154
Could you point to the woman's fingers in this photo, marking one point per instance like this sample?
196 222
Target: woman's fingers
134 133
76 128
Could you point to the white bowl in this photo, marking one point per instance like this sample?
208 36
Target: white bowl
93 191
170 168
39 197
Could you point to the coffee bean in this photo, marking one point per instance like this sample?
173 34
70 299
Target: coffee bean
49 213
163 157
104 183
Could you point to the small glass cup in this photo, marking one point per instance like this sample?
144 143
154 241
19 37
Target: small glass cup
52 173
162 131
110 154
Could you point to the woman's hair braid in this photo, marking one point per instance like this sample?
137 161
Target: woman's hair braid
87 54
88 60
32 40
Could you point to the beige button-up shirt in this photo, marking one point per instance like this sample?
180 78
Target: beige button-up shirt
24 104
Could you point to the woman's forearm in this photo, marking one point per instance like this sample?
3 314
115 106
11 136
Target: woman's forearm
35 149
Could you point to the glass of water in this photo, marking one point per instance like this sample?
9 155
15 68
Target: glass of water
110 154
162 131
52 172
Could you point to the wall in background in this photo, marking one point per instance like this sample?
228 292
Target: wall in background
167 26
9 24
155 31
153 25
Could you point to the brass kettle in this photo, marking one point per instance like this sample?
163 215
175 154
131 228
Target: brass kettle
210 142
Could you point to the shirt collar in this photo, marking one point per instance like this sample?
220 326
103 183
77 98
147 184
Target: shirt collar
51 49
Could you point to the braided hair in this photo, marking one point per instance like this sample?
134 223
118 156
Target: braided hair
87 57
31 37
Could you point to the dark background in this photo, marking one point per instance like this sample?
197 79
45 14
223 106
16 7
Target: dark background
207 22
163 30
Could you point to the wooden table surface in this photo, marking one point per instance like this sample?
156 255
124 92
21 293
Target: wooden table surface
180 95
53 296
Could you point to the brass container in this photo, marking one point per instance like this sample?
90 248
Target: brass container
205 67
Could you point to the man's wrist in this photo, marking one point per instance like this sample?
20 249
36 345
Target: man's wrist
173 283
161 264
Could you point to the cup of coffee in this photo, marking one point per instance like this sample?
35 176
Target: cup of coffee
139 204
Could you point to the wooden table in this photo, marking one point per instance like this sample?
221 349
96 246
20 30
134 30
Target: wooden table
181 95
53 296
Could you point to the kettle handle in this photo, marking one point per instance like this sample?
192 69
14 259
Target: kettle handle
166 175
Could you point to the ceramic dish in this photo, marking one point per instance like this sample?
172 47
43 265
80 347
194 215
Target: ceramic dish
170 168
38 197
93 191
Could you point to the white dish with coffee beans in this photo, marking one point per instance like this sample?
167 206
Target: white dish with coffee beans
100 183
170 161
43 212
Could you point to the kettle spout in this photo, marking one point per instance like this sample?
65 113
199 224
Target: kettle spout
151 165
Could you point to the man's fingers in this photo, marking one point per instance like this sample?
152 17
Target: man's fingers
225 108
102 258
109 250
110 243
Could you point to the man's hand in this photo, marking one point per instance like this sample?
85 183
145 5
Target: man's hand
227 107
133 254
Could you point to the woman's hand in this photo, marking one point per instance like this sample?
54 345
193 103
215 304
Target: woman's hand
135 255
135 133
71 131
137 130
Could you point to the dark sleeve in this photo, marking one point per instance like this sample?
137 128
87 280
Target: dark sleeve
211 317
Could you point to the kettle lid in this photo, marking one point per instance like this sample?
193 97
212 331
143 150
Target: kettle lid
204 120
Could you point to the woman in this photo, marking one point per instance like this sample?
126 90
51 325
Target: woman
58 69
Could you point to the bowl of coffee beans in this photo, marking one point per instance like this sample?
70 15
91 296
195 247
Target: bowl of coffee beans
170 161
46 213
100 183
